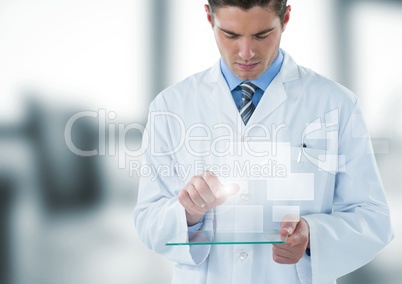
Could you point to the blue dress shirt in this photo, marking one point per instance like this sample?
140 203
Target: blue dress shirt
262 82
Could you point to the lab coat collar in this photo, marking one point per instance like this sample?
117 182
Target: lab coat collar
288 72
273 97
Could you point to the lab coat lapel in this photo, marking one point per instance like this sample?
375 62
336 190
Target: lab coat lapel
221 96
275 95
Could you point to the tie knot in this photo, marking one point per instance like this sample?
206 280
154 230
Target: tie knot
248 89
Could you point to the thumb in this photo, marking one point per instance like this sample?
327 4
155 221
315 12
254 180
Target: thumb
289 224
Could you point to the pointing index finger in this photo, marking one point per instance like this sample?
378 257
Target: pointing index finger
213 183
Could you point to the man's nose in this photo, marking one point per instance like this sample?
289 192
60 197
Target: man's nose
246 50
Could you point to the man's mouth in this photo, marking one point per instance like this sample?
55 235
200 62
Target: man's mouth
248 66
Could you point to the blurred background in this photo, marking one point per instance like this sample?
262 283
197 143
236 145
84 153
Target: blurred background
66 218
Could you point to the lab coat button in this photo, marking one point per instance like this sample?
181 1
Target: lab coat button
243 255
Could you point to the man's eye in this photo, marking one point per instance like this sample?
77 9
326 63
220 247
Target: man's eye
229 36
262 36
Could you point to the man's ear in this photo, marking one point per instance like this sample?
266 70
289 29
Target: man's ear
286 17
209 15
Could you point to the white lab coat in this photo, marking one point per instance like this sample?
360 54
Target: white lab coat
348 218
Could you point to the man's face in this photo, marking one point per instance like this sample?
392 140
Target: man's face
248 40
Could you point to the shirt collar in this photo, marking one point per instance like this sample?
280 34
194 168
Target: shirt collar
262 82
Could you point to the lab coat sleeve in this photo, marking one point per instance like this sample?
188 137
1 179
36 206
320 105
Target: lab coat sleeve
359 225
158 215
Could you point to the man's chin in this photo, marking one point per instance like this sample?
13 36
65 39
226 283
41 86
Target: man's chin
247 76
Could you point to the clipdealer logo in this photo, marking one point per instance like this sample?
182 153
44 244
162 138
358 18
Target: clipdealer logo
112 139
184 136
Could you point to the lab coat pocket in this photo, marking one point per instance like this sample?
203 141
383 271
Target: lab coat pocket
185 275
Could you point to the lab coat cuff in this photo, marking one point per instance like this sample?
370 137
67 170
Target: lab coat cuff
198 254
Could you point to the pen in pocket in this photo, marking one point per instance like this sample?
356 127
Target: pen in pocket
302 146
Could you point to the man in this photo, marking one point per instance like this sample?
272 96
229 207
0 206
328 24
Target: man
254 88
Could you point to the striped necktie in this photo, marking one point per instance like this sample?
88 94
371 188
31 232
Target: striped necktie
247 107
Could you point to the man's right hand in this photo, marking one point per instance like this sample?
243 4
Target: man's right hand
203 192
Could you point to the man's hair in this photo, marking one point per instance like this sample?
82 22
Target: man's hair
278 6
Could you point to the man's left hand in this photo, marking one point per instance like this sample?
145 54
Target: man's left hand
296 244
